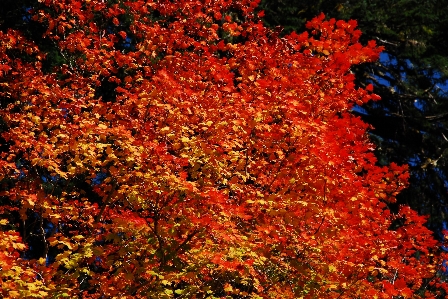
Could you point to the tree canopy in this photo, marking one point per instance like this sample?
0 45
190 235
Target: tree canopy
159 149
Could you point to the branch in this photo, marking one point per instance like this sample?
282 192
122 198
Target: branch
385 41
106 202
188 239
320 225
436 117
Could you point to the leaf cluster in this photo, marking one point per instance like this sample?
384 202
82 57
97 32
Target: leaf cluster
184 150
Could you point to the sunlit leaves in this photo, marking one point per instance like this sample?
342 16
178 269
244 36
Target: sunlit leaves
186 150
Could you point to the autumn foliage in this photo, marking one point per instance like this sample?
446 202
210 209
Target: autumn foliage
183 150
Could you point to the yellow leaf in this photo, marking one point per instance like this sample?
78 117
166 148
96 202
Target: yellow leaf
19 246
228 288
71 169
14 294
42 261
331 268
78 237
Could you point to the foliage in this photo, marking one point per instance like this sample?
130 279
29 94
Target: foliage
410 123
183 150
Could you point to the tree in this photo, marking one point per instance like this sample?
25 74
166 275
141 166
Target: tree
184 150
410 123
